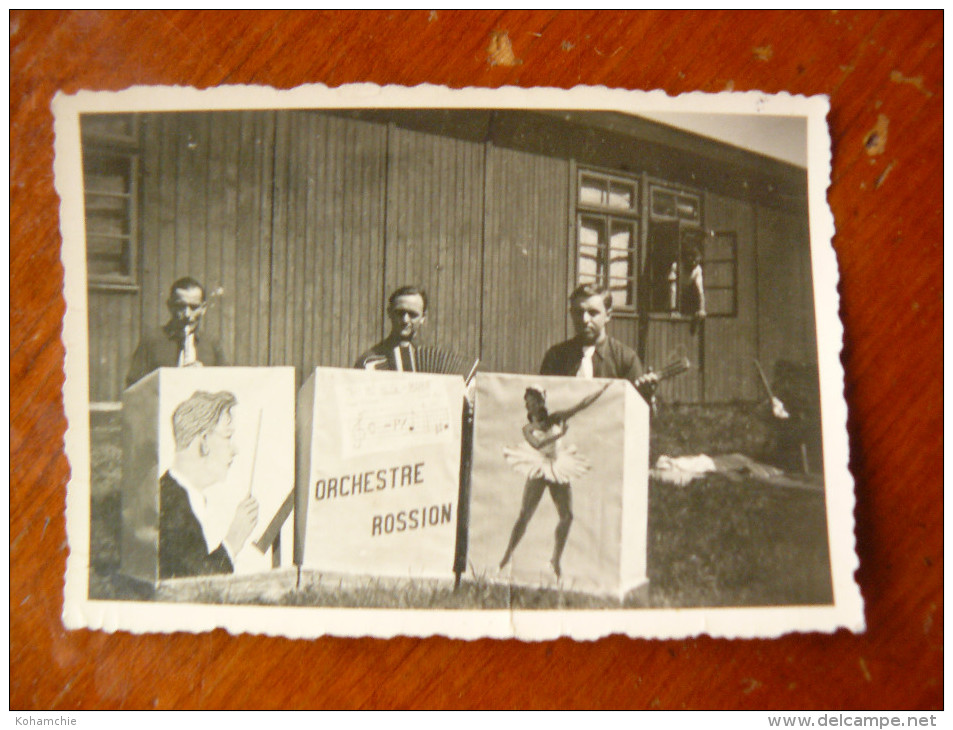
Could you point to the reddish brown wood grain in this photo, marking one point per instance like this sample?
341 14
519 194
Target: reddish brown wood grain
888 212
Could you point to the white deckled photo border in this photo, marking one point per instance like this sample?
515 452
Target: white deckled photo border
81 611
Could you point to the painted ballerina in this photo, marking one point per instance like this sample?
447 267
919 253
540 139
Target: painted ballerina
547 463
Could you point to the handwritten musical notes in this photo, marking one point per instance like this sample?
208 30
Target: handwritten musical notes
387 414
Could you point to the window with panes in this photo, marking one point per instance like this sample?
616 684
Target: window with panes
110 184
677 244
607 234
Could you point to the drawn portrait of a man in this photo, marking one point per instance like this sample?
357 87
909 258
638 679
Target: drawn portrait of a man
204 450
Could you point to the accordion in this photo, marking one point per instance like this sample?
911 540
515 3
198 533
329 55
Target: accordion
423 359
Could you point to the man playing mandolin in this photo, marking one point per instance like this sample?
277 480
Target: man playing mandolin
592 353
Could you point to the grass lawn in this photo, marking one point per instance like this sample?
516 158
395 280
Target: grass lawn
718 542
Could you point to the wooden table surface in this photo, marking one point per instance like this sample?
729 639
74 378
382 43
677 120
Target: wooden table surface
878 68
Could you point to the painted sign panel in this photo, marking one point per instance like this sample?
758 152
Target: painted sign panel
559 488
200 442
378 472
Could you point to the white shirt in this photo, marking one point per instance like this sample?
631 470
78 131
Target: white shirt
585 365
405 359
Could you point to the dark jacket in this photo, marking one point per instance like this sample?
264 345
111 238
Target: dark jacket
611 359
182 549
161 348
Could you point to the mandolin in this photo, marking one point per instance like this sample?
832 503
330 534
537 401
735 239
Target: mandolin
676 367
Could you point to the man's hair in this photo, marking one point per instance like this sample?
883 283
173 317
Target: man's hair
186 282
584 291
407 291
199 414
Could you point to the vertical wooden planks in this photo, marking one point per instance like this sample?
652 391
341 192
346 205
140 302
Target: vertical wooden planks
434 232
99 376
402 214
525 276
265 156
264 130
216 227
555 277
327 247
334 176
324 239
128 336
279 322
731 342
786 328
350 250
468 269
297 240
442 235
197 148
801 240
624 328
311 292
360 255
667 340
169 132
375 217
151 310
224 264
501 237
112 337
243 171
182 192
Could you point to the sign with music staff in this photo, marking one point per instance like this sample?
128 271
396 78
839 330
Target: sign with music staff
387 414
200 446
378 472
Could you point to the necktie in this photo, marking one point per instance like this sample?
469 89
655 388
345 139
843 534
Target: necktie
585 365
187 356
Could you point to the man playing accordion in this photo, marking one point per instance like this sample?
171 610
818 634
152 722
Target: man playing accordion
400 350
407 311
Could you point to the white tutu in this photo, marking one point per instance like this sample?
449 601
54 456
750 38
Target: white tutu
564 466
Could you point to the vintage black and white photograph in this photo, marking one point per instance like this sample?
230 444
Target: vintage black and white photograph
489 363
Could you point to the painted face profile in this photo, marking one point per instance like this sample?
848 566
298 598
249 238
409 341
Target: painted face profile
220 448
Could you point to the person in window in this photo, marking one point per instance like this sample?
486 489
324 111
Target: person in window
695 291
203 429
407 311
180 342
592 353
548 463
673 289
